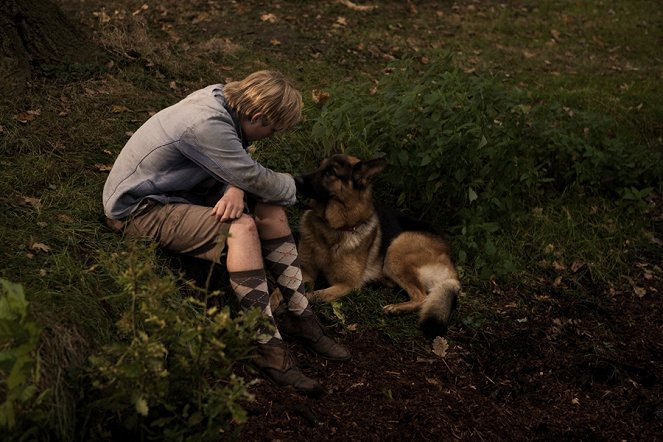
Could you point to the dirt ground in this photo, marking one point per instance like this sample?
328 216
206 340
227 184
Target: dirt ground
552 367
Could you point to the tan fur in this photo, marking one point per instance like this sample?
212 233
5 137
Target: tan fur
418 262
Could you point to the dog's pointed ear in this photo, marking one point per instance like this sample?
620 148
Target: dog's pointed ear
364 171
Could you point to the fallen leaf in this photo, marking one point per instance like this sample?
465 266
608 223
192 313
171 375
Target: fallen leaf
27 116
555 34
103 167
440 346
145 7
102 16
319 97
575 401
342 21
640 291
577 266
356 7
353 327
172 85
65 218
40 247
118 109
33 202
275 42
558 266
269 18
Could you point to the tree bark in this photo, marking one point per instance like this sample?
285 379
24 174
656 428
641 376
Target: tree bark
35 32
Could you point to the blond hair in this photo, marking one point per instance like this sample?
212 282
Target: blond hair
267 92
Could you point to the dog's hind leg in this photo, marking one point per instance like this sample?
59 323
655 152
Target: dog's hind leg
411 284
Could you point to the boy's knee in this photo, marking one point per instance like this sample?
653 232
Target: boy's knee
244 227
270 213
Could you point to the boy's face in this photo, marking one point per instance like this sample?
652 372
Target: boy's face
254 130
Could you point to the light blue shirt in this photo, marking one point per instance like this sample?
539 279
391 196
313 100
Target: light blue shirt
184 151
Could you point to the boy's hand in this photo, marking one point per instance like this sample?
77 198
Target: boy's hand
230 206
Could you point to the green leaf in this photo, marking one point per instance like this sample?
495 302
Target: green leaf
471 195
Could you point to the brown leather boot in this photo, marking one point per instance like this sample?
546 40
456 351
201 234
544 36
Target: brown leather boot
307 330
275 361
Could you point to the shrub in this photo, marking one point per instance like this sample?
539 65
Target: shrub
471 154
19 363
170 374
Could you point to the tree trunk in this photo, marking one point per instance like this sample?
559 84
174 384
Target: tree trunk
33 33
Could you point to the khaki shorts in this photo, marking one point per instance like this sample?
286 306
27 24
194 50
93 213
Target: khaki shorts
181 228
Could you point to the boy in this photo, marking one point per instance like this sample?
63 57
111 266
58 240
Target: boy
181 180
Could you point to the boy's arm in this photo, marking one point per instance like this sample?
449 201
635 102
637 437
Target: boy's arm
215 146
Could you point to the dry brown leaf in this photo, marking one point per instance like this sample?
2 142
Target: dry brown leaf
558 266
440 346
342 21
103 167
40 247
27 116
119 108
145 7
555 34
640 291
102 16
31 201
65 218
352 327
319 97
271 18
577 265
356 7
275 42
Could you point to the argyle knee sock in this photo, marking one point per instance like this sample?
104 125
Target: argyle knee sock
251 289
282 260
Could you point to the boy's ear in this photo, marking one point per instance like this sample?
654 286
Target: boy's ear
257 117
364 171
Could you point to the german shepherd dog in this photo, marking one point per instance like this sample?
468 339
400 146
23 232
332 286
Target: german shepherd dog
350 241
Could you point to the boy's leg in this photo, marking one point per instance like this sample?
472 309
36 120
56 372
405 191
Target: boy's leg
281 259
192 230
247 277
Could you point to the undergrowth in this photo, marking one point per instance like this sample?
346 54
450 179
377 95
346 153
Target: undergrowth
535 148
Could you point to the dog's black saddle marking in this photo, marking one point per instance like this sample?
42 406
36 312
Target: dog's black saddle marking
393 223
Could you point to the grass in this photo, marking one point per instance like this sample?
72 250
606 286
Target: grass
56 141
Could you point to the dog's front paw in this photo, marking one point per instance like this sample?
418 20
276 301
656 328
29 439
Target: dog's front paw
314 296
390 309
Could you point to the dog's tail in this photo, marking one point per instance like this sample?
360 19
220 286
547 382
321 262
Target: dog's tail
438 306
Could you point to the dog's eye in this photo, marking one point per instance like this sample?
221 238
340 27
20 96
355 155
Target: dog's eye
329 173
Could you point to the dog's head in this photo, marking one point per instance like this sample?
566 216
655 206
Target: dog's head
338 177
